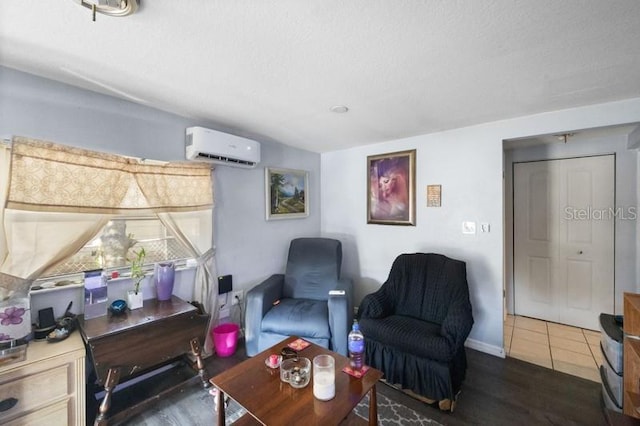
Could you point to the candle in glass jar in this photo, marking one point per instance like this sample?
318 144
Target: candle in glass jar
324 386
273 360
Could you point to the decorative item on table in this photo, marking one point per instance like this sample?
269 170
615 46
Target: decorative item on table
15 314
46 324
41 333
296 371
273 361
298 344
63 329
356 373
164 276
64 326
118 307
288 353
324 377
96 300
134 297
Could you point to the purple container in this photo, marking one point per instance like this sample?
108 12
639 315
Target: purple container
164 277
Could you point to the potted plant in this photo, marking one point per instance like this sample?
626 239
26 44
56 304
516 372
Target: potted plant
134 297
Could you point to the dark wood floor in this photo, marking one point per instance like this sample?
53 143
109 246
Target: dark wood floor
499 392
510 392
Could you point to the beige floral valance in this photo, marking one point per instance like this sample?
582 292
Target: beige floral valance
49 177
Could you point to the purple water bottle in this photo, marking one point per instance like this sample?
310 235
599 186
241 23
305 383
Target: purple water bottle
356 347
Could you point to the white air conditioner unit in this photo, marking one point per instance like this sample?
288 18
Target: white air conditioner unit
217 147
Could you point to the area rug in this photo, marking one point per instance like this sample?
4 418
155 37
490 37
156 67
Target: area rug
392 413
194 406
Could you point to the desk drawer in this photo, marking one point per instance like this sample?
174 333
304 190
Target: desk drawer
54 415
34 390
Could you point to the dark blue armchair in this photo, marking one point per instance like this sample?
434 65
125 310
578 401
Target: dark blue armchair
416 323
310 300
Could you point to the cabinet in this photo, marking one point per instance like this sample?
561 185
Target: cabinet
631 357
611 368
47 388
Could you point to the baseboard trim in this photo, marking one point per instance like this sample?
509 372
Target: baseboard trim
485 347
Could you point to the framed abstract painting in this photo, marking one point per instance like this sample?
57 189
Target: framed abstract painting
391 193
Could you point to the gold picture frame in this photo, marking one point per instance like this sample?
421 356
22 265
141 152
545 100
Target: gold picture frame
391 192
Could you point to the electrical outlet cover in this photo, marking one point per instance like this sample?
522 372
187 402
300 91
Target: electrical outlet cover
468 227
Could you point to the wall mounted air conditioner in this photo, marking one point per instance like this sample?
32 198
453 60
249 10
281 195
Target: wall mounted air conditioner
217 147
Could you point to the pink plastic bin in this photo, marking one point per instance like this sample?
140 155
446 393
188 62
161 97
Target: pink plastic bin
225 339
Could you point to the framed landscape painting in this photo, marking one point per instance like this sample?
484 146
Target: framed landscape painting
391 193
286 193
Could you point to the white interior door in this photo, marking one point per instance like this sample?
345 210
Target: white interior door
564 239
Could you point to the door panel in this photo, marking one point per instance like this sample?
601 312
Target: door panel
539 203
579 284
540 279
579 193
563 239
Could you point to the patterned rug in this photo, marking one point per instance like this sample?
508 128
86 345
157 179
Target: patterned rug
194 407
393 413
389 413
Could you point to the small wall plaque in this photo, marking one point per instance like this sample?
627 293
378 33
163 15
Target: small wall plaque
434 193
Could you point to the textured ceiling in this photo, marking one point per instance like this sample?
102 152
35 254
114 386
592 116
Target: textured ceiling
272 69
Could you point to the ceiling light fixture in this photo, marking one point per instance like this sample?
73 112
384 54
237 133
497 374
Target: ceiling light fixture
339 109
110 7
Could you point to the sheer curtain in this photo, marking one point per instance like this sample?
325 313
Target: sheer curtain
195 231
56 198
5 162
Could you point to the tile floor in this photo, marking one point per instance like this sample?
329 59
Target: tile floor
572 350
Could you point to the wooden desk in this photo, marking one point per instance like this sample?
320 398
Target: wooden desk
141 341
268 401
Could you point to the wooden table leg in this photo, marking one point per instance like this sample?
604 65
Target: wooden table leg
197 353
220 396
113 376
373 406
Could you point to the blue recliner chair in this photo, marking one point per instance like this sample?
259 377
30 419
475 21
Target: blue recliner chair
299 303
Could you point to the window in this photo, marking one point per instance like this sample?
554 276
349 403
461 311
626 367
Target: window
116 244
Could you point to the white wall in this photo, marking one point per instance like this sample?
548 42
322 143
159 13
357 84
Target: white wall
248 247
468 163
626 181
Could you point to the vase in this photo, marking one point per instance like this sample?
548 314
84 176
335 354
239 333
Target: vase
134 300
164 276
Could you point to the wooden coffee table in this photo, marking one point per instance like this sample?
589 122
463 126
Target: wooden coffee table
269 401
